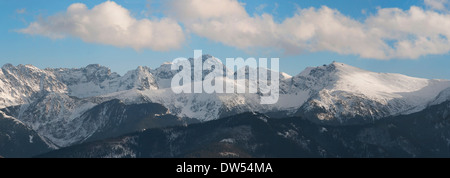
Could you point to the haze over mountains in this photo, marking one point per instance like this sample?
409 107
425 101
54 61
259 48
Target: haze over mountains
47 109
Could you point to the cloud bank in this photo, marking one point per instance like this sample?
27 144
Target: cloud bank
111 24
390 33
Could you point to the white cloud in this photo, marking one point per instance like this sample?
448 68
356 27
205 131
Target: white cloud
193 10
436 4
111 24
327 29
224 21
416 32
391 33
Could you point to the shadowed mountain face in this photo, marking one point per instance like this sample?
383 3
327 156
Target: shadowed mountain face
122 119
422 134
106 120
19 141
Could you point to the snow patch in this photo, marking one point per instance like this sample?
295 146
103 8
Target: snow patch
228 140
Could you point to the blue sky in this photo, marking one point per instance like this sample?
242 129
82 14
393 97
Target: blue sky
55 44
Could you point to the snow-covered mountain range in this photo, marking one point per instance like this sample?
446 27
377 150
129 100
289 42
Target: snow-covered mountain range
69 106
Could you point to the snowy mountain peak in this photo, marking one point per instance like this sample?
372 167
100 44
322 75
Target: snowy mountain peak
94 66
29 66
143 69
330 69
7 65
342 91
20 68
205 57
140 79
98 74
92 73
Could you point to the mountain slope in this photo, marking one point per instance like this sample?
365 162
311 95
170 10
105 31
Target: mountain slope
18 140
422 134
52 101
19 84
66 120
340 92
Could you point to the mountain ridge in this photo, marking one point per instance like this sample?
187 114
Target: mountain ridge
54 102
